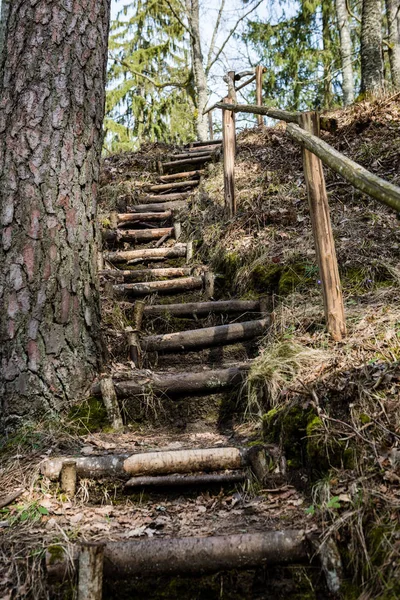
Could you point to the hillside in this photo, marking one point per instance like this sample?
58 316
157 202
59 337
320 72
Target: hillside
327 411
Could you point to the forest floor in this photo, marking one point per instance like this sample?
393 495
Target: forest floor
331 407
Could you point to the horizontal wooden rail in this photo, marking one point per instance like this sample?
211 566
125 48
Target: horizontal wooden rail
361 178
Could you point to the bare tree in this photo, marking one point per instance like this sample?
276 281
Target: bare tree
371 47
51 114
393 19
345 51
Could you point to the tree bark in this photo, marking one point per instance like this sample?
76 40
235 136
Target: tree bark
371 48
187 480
204 308
199 74
51 114
393 18
177 251
5 11
345 52
169 286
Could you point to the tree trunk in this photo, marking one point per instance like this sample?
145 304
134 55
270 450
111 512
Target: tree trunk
199 74
393 18
345 52
327 56
51 114
5 11
371 48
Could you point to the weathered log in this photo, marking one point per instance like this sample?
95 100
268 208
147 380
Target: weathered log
323 236
204 308
209 336
91 562
158 206
192 154
184 461
212 147
176 251
180 383
274 113
135 351
187 480
127 218
209 284
89 467
149 198
146 274
188 161
191 555
172 186
136 235
259 78
68 478
229 145
110 402
361 178
159 287
207 143
184 175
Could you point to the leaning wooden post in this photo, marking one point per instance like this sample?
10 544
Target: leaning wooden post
322 231
90 584
259 78
228 141
111 403
210 126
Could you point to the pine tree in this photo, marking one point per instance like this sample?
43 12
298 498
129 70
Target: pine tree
151 89
345 51
393 19
371 48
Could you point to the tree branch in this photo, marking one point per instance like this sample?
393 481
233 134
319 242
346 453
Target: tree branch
177 17
214 35
230 34
157 84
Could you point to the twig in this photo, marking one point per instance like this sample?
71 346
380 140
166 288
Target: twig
11 497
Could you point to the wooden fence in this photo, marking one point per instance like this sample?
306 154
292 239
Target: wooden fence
305 129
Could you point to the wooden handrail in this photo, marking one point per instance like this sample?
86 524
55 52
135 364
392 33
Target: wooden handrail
361 178
274 113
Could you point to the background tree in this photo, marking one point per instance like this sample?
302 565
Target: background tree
393 19
51 114
346 51
371 47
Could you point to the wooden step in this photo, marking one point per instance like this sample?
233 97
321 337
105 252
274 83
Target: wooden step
158 207
147 254
150 198
208 336
210 381
136 235
124 219
187 161
187 555
197 154
182 284
146 274
184 175
209 147
207 143
196 480
162 187
204 308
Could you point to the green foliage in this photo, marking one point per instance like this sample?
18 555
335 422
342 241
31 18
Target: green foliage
150 85
301 54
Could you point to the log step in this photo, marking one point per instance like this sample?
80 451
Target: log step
136 235
199 479
187 161
189 555
124 219
177 384
196 154
147 254
203 338
182 284
204 308
146 274
207 143
173 186
157 206
184 175
150 198
209 147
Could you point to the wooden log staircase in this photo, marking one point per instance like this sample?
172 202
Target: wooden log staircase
146 263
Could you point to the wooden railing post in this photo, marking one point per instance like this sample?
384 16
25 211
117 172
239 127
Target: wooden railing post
323 237
229 143
259 78
210 126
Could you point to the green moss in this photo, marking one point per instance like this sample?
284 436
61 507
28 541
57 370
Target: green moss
265 278
90 415
364 418
56 553
283 279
